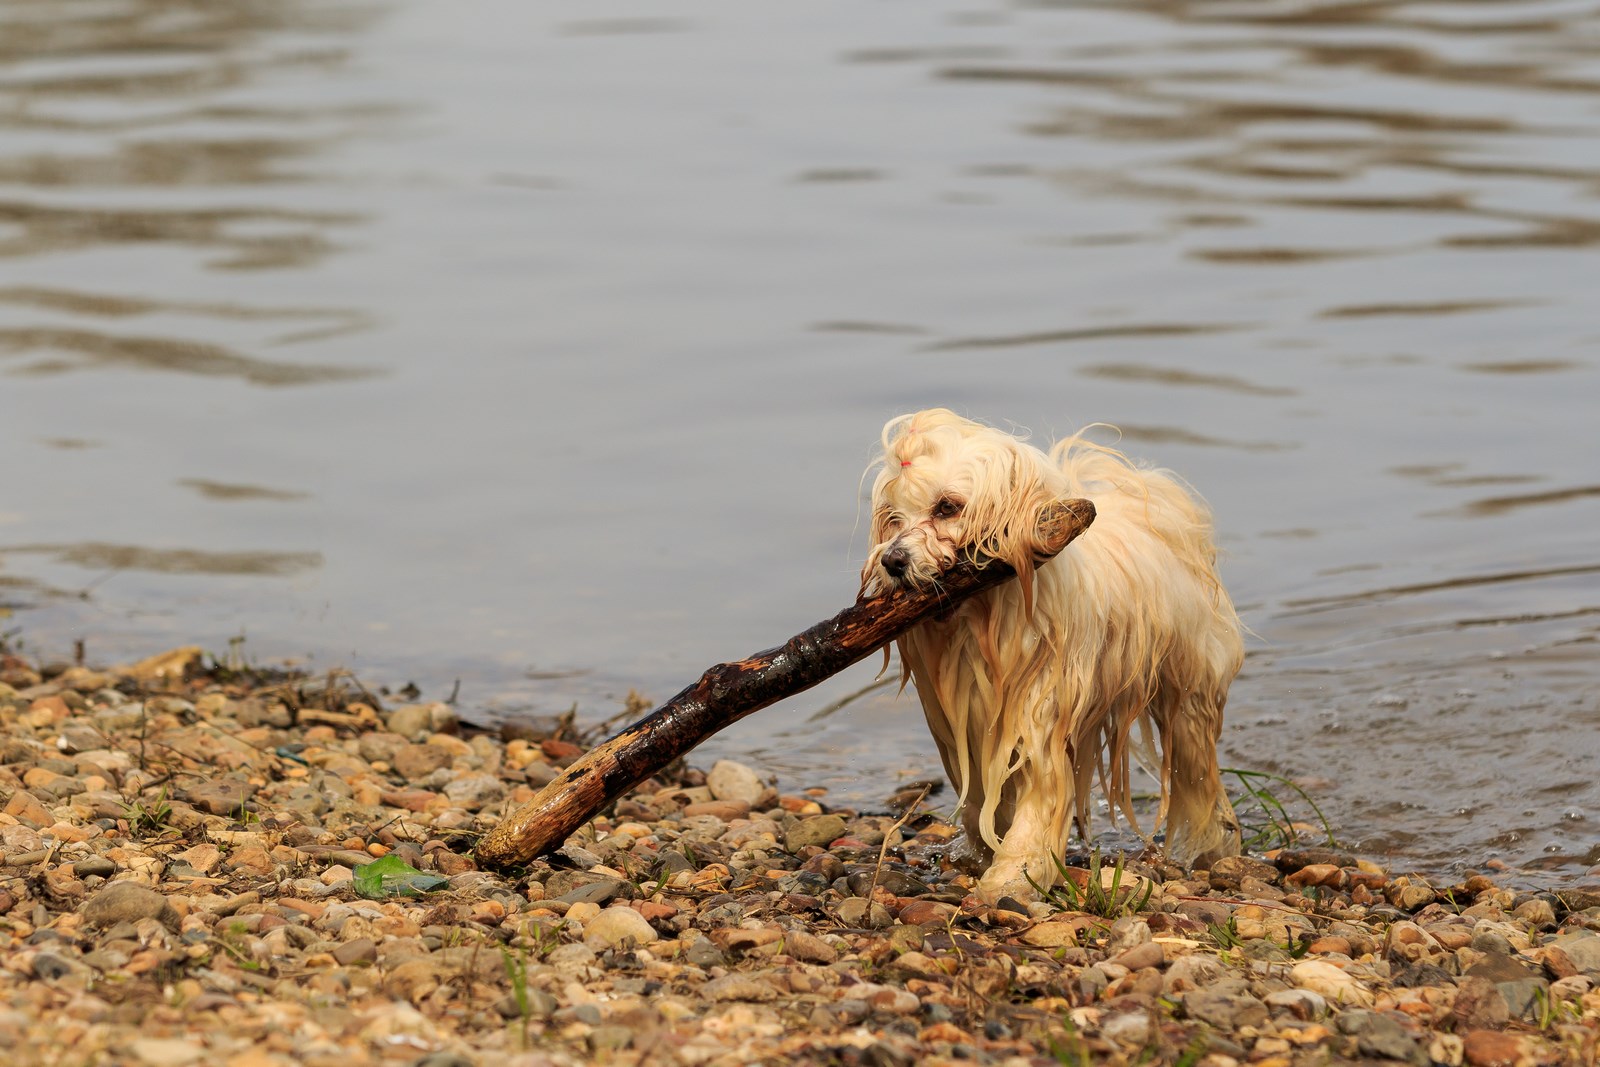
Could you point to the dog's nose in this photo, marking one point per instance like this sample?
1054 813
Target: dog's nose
895 561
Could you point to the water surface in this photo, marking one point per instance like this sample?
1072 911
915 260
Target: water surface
545 351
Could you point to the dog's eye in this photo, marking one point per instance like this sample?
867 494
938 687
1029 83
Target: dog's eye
946 508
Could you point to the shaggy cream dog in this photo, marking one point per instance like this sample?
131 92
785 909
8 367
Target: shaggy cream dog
1124 644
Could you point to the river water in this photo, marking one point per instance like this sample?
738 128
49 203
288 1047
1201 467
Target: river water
543 349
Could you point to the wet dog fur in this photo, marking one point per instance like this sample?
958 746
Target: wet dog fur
1122 646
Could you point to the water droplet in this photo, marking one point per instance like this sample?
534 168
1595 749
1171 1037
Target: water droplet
1574 815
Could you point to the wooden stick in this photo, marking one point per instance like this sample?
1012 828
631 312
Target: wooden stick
730 691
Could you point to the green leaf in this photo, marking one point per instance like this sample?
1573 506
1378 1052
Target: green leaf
392 876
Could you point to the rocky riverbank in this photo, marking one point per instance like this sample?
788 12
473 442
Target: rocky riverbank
203 865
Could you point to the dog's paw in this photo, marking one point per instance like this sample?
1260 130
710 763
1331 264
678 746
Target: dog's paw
1006 880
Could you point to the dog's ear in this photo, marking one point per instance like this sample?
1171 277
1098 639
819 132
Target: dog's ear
882 530
1003 514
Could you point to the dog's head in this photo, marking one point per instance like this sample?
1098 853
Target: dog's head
951 488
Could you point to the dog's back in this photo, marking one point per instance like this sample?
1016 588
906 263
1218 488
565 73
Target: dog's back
1170 641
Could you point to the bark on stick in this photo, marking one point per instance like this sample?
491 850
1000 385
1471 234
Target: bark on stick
730 691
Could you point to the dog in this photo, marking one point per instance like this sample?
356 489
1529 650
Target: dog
1123 645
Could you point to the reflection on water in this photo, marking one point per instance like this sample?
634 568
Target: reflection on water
1091 333
580 332
67 350
224 491
103 557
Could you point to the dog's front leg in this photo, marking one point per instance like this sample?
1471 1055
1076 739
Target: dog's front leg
1026 851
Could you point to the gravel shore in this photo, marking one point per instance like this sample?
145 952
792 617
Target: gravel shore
186 878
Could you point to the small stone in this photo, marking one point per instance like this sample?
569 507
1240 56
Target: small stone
416 720
1571 988
808 948
25 808
1479 1004
166 1051
79 737
705 955
47 966
165 665
1191 972
892 1001
1492 1048
222 796
250 860
728 780
1521 988
1582 949
571 959
739 987
1378 1035
1139 957
94 867
1049 934
1318 874
414 979
203 857
1132 1030
1130 931
1411 897
738 941
1331 946
127 902
583 911
444 1058
617 925
1446 1049
1226 1005
1303 1004
361 950
415 762
921 912
599 891
1536 912
726 810
1322 977
610 1038
817 830
474 791
1228 872
860 913
915 964
944 1032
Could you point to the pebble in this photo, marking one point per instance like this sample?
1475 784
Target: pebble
166 1052
1332 983
618 925
414 721
817 830
728 780
1492 1048
706 919
1379 1035
1048 934
125 902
